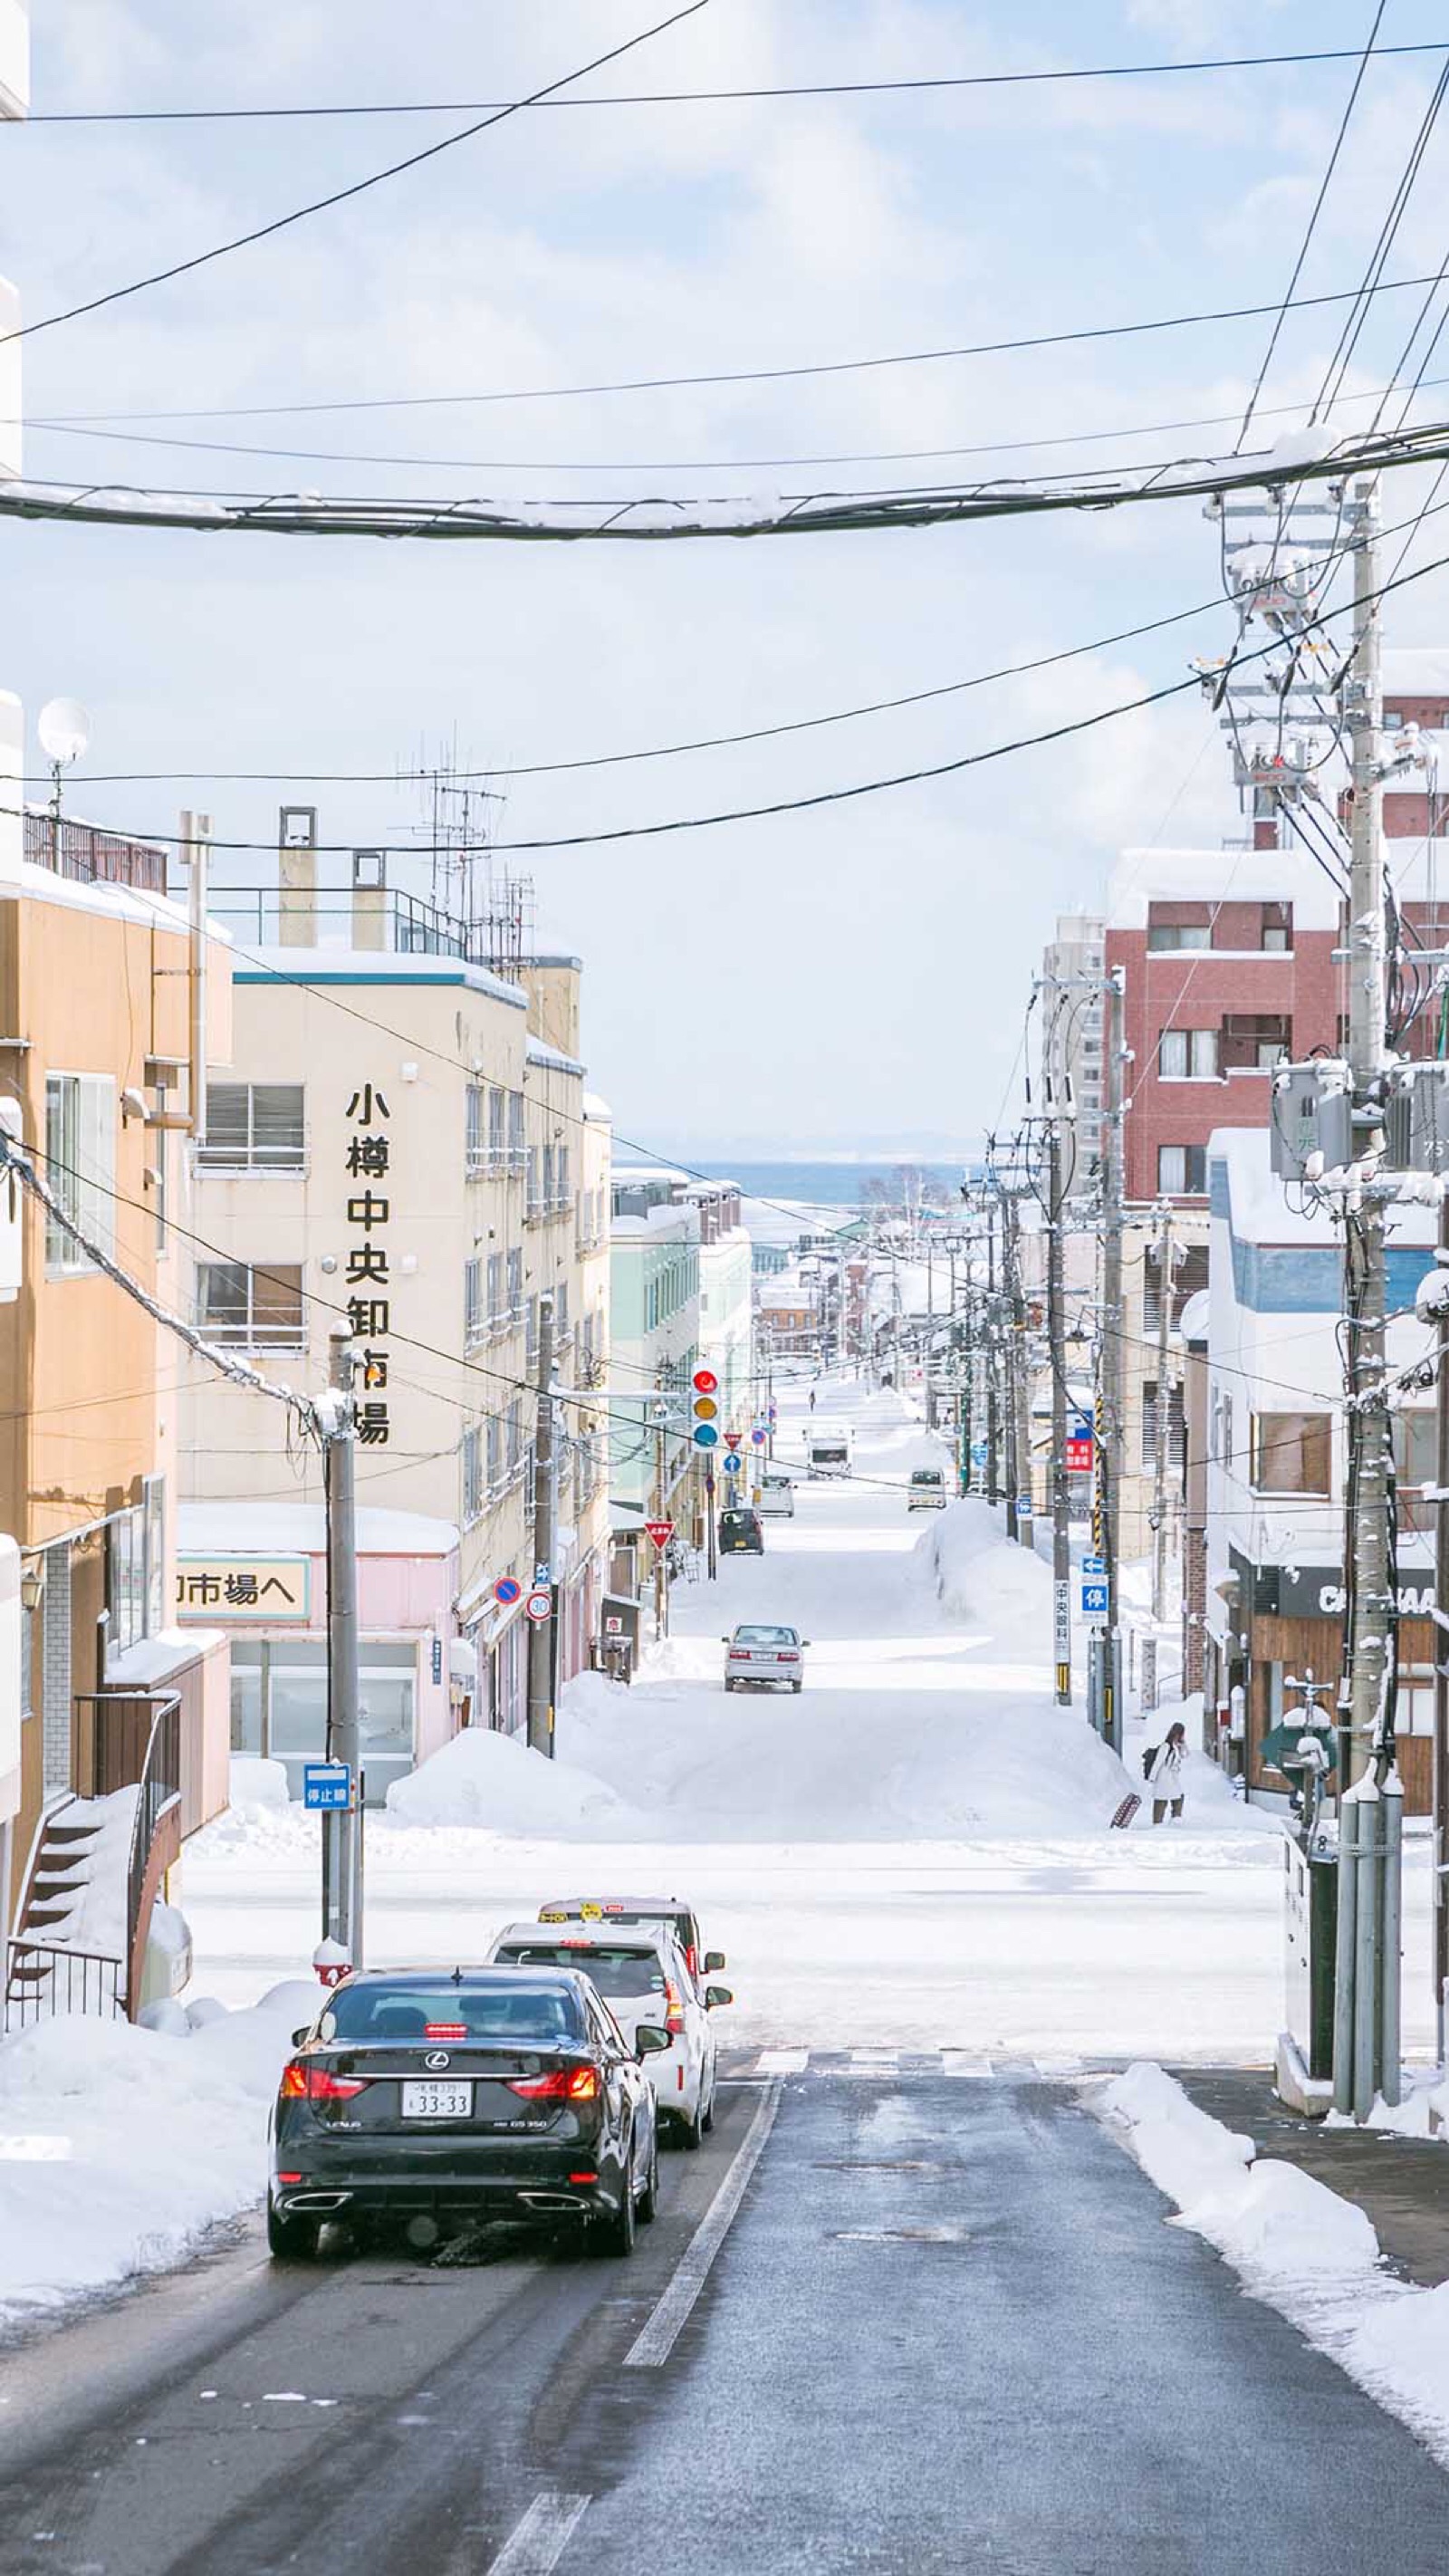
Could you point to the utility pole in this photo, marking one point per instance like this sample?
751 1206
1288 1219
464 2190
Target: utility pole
342 1827
1163 1459
1440 1896
1366 2002
661 1513
1020 1524
1106 1685
1057 1343
993 1364
540 1632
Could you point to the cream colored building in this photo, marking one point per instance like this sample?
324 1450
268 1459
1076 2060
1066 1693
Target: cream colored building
399 1142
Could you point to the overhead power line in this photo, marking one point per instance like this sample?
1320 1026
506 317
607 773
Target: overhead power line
357 188
656 519
844 795
1312 224
737 375
681 97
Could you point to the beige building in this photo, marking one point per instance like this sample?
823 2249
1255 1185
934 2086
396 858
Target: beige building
400 1142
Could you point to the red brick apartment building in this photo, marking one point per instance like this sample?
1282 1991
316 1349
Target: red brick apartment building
1229 955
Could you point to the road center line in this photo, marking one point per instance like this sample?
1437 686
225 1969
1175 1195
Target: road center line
657 2337
537 2543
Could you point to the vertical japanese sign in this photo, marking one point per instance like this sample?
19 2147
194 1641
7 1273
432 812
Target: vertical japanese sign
369 1268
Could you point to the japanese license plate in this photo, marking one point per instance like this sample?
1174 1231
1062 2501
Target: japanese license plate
437 2101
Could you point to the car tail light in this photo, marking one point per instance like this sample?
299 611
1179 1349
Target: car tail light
562 2084
787 1655
303 2083
445 2030
673 2006
583 2177
289 2177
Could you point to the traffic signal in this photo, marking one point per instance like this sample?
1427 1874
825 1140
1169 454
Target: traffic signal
704 1409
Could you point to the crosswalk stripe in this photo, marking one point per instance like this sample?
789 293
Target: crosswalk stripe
781 2061
958 2065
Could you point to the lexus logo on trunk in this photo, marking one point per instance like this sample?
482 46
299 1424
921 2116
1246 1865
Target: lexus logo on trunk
437 2057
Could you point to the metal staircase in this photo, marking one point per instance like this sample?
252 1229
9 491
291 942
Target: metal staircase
97 1865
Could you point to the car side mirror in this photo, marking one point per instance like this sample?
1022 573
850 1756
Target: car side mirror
713 1959
649 2040
805 1641
301 2037
717 1995
724 1641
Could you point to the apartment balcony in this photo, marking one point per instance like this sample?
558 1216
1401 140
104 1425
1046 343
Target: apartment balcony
88 854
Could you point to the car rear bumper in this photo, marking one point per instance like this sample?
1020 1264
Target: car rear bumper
534 2184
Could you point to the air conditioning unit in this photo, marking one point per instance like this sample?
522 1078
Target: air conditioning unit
1311 1113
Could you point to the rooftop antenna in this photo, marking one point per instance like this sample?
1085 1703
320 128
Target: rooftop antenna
64 730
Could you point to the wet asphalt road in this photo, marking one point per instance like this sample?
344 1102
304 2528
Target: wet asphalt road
947 2330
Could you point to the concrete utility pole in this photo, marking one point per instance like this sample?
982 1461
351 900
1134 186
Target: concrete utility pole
661 1509
1057 1343
342 1828
1371 1807
1020 1383
1163 1459
541 1661
1104 1688
993 1365
1441 1671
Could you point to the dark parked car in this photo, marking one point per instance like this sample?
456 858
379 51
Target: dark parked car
443 2099
740 1534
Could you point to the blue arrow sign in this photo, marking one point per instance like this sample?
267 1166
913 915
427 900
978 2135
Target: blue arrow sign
1094 1569
731 1465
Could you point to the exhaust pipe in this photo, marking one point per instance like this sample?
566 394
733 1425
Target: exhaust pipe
317 2202
548 2200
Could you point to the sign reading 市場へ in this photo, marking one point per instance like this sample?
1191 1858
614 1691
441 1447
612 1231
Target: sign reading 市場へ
268 1591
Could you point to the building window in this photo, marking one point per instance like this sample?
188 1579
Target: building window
1291 1453
475 1144
1415 1467
497 1124
515 1285
472 1460
159 1175
1277 931
1175 1445
495 1454
279 1698
125 1582
80 1166
1195 932
530 1338
1182 1171
497 1302
1188 1055
251 1308
474 1320
1253 1041
253 1127
1189 1273
561 1311
517 1137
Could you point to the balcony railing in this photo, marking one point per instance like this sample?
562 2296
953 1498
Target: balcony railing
43 1981
90 855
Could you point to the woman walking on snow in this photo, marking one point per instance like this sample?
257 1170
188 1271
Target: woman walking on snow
1165 1774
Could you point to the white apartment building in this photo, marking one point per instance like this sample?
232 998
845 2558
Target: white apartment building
1072 1021
654 1304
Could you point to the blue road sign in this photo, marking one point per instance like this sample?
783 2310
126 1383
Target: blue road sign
978 1453
327 1784
1094 1601
1094 1569
732 1464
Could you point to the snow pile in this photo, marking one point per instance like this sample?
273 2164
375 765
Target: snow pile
986 1579
841 1766
256 1786
120 2146
483 1778
1311 2254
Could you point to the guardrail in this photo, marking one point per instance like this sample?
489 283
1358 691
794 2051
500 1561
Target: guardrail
42 1980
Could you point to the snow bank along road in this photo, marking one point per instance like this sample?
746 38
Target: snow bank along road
947 2329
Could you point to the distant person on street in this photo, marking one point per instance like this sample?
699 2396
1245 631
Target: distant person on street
1165 1774
812 1399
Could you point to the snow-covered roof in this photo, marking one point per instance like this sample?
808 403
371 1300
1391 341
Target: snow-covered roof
1220 876
597 1109
300 1529
538 1053
135 904
1415 670
271 965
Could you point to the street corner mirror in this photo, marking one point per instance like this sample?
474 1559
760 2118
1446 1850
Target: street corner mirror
649 2040
715 1995
301 2037
713 1959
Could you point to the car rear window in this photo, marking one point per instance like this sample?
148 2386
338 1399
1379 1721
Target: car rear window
524 2015
613 1971
765 1637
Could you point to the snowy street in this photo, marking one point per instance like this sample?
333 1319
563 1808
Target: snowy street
911 1854
831 2348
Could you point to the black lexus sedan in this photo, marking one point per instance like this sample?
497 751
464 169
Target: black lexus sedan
443 2097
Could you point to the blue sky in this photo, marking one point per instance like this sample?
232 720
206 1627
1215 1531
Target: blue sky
823 976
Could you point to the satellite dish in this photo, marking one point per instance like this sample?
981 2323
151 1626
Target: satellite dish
64 729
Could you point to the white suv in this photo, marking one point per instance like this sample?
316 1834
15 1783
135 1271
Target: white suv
643 1975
